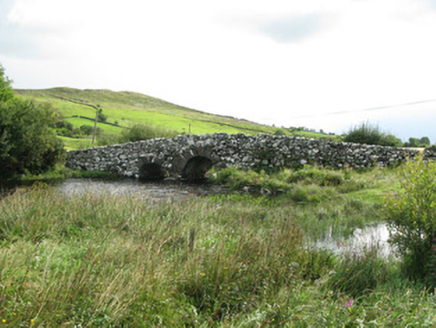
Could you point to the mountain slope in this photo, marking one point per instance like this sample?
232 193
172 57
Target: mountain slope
124 109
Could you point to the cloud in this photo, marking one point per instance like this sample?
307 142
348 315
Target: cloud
432 3
14 40
17 38
294 28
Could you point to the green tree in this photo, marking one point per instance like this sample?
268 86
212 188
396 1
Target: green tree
6 92
415 142
425 141
28 142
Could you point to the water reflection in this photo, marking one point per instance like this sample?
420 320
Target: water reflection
130 187
171 190
371 236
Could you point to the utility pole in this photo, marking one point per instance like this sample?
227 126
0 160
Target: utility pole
97 108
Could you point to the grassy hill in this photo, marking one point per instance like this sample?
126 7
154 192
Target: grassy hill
125 109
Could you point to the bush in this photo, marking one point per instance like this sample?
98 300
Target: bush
145 131
87 130
28 142
314 175
279 133
371 135
411 217
102 117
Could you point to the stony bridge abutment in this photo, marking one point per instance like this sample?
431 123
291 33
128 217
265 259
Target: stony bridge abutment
190 157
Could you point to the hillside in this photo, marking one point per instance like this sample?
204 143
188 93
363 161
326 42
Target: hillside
125 109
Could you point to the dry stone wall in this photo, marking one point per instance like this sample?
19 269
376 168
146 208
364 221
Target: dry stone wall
192 155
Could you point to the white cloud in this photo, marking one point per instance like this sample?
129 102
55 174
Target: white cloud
231 57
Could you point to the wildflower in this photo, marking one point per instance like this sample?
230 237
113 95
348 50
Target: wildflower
349 303
32 320
4 321
203 274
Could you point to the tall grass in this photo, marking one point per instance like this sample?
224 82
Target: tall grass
108 261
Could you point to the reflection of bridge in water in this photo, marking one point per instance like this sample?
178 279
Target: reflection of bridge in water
190 157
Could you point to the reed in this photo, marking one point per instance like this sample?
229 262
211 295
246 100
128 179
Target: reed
112 261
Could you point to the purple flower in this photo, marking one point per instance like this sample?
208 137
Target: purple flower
349 303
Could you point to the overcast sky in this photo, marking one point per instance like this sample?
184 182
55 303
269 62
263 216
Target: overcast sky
314 63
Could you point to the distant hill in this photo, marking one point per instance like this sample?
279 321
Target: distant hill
125 109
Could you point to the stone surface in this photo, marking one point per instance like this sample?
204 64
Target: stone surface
221 150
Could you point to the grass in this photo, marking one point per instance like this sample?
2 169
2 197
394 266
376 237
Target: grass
324 201
128 109
112 261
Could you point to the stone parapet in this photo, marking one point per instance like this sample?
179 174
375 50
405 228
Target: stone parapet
189 156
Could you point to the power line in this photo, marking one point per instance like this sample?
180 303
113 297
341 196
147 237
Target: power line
368 109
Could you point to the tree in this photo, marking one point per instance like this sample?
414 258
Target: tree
6 92
415 142
28 142
425 141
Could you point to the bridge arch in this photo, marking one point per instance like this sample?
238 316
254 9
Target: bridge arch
152 172
196 168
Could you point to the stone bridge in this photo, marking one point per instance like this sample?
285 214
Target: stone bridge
191 156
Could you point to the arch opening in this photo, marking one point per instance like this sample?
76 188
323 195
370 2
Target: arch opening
196 168
152 172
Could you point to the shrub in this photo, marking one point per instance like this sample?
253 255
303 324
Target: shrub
145 131
87 130
313 175
102 117
237 178
411 217
279 132
371 135
27 140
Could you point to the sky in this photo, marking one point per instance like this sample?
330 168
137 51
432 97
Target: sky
319 64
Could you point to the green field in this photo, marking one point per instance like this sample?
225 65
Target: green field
128 108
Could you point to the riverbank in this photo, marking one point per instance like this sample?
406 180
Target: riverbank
225 260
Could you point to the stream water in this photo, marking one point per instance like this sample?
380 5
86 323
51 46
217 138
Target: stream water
174 191
370 238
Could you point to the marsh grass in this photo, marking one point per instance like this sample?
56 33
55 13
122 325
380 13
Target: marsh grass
326 203
112 261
